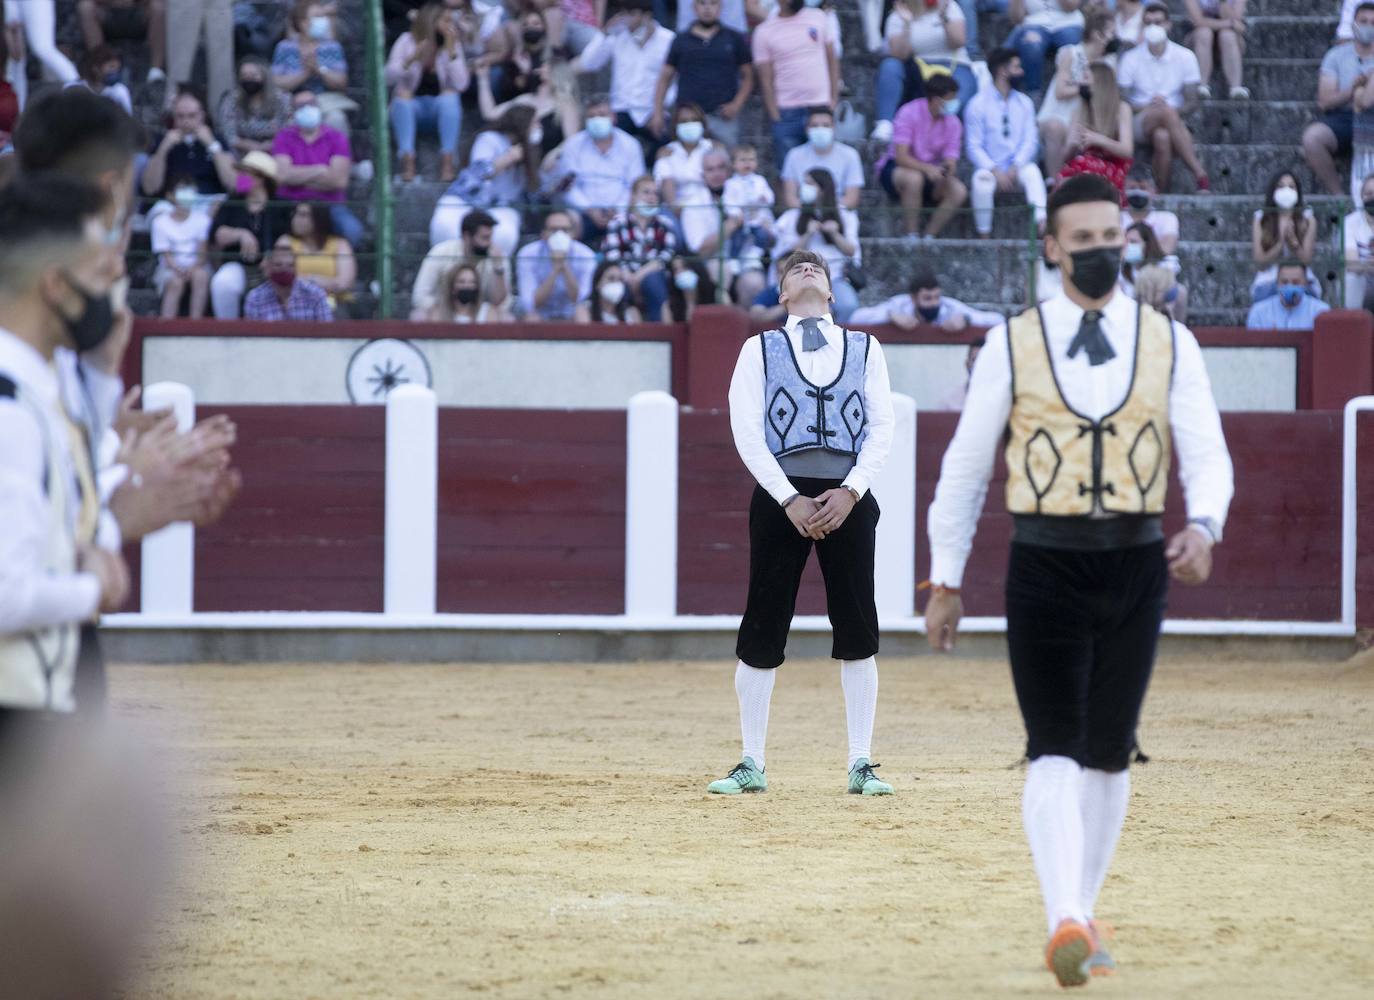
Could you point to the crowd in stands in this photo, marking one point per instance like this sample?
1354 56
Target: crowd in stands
608 173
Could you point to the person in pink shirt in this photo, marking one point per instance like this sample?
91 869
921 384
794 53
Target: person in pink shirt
920 163
313 164
789 51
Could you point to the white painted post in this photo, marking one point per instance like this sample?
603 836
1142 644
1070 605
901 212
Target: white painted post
651 506
894 568
167 574
1349 456
409 579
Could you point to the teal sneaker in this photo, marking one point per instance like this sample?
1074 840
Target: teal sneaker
862 780
745 776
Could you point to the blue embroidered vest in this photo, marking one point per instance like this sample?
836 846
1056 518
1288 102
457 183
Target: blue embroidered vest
802 416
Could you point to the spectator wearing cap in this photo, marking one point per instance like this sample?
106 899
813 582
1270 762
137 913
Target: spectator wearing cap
426 72
789 53
1002 142
284 296
924 302
252 114
637 47
713 69
1219 24
244 229
921 162
1345 68
919 38
188 149
822 152
1042 28
1292 308
554 273
313 163
1160 80
595 169
1141 207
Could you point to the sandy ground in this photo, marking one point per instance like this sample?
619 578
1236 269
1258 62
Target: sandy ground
543 831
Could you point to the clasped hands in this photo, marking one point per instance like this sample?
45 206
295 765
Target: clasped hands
816 518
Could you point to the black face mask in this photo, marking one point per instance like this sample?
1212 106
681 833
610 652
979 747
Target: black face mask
1095 271
532 36
1139 202
1112 47
465 296
929 313
716 192
480 251
1369 206
89 330
1085 92
251 87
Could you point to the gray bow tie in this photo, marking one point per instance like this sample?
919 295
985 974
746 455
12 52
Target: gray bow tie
812 338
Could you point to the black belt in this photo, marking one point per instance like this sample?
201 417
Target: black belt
1087 534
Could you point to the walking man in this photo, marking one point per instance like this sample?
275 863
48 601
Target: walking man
1091 393
811 412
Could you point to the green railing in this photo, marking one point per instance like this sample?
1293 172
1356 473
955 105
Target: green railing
381 157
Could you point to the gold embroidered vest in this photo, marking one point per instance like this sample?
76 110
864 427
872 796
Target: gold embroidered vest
1058 461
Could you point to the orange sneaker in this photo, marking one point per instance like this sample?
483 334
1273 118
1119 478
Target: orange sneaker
1068 952
1101 963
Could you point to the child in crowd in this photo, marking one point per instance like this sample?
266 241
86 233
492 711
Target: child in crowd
749 197
179 240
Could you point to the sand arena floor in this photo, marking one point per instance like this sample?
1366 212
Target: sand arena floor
543 831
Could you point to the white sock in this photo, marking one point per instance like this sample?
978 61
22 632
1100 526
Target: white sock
859 678
1102 799
755 690
1054 826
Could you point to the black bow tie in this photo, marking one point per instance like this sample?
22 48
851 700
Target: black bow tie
1090 338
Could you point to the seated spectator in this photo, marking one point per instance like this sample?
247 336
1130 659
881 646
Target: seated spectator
102 71
1361 134
707 225
1219 23
636 46
252 115
929 35
749 199
643 239
595 169
1101 139
1042 28
502 172
1002 142
1141 258
519 56
309 57
179 241
244 229
789 51
462 301
1293 308
551 97
822 152
1073 77
1140 207
475 244
321 256
313 161
554 272
923 158
188 149
283 296
1130 22
1284 229
691 286
573 24
609 301
1345 68
823 226
767 306
426 72
713 69
1358 231
479 31
954 400
679 173
923 302
127 20
1159 79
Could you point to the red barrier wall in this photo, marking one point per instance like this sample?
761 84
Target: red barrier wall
532 507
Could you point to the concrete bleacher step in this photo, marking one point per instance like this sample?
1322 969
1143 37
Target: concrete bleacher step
971 270
1228 217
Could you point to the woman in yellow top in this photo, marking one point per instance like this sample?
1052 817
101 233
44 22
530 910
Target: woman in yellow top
321 255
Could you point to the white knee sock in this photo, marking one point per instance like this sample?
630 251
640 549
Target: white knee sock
1054 826
1102 799
859 678
755 690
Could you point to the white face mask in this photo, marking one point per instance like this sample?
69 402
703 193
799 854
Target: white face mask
185 197
1156 35
559 242
685 280
808 193
320 28
1134 253
599 127
644 210
1286 198
690 132
612 292
536 136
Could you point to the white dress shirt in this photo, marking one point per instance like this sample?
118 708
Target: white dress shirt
92 398
634 68
600 179
30 596
1143 75
990 143
1204 463
820 367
